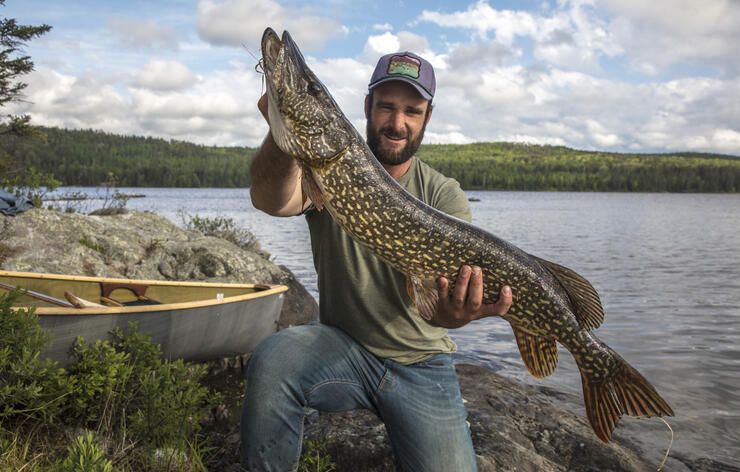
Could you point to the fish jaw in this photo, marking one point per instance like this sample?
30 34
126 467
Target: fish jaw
305 122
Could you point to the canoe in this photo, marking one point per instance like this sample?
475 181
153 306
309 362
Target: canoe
193 321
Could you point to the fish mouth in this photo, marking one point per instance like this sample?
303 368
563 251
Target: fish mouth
281 57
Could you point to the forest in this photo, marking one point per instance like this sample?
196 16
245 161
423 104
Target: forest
86 157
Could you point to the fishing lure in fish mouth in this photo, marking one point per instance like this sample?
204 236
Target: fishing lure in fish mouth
552 304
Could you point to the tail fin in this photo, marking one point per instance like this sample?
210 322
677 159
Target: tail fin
625 392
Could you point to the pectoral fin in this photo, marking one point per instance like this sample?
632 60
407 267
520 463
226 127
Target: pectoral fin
424 295
586 303
539 354
312 188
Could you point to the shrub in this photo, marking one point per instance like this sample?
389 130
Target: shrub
29 385
84 455
222 227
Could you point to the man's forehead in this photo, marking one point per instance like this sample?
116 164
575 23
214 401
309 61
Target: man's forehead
398 91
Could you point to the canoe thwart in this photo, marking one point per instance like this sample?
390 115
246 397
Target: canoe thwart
107 287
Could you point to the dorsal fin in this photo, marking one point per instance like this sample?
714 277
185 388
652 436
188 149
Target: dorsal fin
424 295
540 354
584 298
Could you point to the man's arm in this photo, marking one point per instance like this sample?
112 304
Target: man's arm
276 178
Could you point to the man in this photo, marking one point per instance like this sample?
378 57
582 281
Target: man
371 348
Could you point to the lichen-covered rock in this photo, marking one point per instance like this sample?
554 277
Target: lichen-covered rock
139 245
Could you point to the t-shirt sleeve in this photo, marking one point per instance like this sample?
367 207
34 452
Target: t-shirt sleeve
451 199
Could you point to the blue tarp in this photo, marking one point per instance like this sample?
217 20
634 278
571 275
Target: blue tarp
11 205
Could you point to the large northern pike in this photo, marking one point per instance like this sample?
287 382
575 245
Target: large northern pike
551 303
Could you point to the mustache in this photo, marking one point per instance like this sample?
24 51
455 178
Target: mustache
391 133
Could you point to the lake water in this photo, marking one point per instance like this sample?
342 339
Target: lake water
667 267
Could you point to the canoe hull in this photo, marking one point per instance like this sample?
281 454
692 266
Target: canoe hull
195 331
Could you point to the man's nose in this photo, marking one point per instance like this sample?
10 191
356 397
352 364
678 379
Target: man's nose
398 122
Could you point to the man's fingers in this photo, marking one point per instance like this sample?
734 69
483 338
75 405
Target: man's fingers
460 292
502 305
442 286
475 290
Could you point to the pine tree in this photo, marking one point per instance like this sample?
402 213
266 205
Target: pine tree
13 65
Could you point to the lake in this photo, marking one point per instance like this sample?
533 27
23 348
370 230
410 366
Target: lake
667 267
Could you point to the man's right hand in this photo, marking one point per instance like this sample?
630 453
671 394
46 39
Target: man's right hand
276 178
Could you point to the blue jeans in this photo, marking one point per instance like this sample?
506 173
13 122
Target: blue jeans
321 367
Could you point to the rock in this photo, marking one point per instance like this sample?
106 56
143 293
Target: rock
514 428
140 245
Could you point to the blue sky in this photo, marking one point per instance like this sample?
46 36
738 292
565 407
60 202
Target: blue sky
616 75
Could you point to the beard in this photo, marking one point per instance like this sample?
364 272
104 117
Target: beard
388 156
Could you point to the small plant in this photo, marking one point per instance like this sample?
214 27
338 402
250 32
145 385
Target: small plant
84 455
31 184
314 457
30 386
220 226
114 201
91 244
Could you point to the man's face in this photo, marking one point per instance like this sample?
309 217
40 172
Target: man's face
396 121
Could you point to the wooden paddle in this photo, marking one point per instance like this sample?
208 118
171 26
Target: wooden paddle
37 295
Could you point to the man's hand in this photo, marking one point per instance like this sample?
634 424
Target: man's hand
465 303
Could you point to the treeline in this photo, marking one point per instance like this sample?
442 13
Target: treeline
86 157
508 166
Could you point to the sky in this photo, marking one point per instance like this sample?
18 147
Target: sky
609 75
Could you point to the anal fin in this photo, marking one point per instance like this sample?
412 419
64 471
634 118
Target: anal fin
424 295
540 354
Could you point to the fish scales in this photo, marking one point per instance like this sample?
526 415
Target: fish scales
550 303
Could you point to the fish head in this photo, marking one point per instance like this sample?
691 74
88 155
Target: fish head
305 122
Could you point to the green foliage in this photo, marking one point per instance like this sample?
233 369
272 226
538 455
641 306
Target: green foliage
84 455
12 39
85 157
91 245
507 166
314 457
121 387
127 382
13 65
30 387
31 184
221 227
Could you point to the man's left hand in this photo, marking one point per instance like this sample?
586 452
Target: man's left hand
465 303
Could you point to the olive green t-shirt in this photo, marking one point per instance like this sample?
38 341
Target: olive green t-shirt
365 297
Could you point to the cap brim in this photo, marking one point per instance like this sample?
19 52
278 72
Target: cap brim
419 88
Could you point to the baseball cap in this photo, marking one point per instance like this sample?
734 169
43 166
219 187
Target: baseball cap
406 67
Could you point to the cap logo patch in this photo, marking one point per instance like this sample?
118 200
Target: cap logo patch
404 65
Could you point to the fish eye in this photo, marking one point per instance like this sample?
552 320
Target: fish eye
314 88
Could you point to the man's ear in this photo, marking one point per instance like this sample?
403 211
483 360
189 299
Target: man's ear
367 106
429 113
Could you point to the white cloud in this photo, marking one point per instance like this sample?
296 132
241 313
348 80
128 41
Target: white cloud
383 27
660 33
242 22
165 75
220 109
143 34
